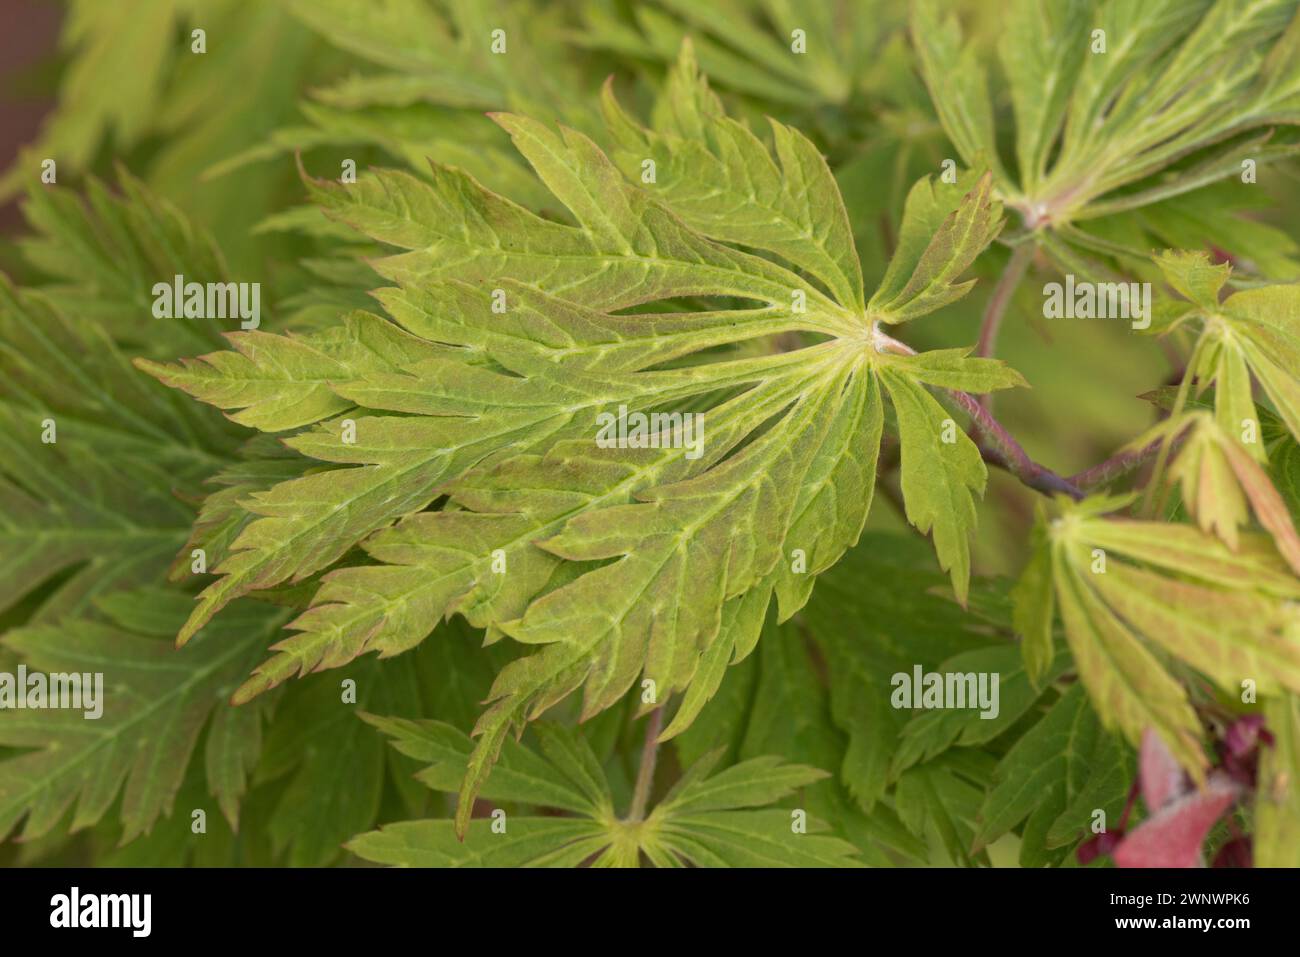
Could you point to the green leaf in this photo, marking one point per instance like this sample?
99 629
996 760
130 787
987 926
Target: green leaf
938 240
1042 52
930 733
751 783
1035 607
283 382
938 477
1118 105
318 741
1277 799
1047 772
437 53
591 544
958 84
1194 276
774 702
749 48
527 842
707 820
704 159
89 475
1123 586
135 48
1284 471
521 775
944 796
884 591
1262 324
156 702
100 255
1251 333
1221 483
761 838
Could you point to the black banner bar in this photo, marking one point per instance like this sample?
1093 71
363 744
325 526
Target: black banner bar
370 905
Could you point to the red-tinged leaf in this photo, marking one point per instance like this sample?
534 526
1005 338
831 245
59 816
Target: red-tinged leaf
1163 779
1244 735
1239 750
1172 837
1269 507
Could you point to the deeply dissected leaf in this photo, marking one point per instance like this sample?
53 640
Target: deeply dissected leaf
774 702
1125 588
1055 776
1222 484
89 473
156 701
1253 332
932 732
868 592
619 560
439 52
134 45
774 50
944 796
319 740
101 254
528 842
442 63
136 91
1119 104
432 462
705 820
704 160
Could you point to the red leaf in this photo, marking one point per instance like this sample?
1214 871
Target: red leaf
1244 734
1172 837
1163 780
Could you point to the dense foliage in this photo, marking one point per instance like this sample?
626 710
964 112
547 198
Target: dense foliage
365 581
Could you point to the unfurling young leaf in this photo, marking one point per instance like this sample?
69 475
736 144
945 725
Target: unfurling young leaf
1220 483
1252 332
1132 592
